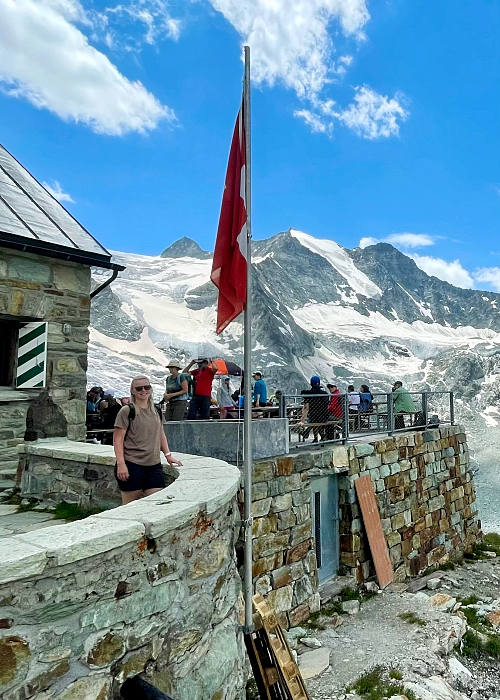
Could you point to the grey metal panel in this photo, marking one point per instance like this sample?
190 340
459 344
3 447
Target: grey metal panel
45 215
325 512
9 223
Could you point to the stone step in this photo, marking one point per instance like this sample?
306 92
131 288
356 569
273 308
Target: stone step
9 473
6 484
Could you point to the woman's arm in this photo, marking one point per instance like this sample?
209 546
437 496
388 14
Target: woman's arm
121 467
166 451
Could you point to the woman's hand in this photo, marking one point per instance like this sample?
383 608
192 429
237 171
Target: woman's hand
122 472
167 397
172 460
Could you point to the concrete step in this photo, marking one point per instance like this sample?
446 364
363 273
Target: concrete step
6 484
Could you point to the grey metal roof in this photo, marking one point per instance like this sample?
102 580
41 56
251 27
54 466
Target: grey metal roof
32 219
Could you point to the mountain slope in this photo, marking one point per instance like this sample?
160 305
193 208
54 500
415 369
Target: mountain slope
356 316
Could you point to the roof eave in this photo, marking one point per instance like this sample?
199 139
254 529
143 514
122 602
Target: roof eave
52 250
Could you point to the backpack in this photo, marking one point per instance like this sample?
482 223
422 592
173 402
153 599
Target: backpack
131 416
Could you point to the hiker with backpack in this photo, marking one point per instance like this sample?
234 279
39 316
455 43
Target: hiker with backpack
138 439
176 393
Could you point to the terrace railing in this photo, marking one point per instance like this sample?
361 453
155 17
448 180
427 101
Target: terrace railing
342 420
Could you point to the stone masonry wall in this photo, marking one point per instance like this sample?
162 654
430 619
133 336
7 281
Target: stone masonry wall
284 566
149 588
37 288
426 497
12 429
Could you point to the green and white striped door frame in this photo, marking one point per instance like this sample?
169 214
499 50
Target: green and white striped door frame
32 355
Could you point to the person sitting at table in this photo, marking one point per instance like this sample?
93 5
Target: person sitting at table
403 403
365 405
335 411
110 407
353 400
224 399
93 399
315 408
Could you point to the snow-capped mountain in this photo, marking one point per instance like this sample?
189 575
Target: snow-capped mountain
363 315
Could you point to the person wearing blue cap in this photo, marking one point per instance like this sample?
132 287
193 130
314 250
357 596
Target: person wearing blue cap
315 408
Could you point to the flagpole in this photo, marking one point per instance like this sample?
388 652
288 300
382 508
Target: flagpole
247 351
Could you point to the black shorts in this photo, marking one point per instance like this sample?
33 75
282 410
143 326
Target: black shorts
141 478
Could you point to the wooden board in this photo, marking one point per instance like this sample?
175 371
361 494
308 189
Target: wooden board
373 527
276 673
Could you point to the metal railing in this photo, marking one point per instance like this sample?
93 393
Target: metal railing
337 418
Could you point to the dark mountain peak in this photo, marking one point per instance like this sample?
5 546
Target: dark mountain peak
186 248
387 266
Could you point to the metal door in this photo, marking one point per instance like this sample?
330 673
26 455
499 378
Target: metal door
325 513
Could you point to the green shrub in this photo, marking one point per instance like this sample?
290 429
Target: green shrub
72 511
373 686
412 619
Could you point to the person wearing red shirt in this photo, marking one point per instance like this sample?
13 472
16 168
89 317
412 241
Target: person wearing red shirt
335 405
203 378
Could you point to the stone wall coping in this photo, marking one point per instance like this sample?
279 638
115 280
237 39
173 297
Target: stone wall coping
9 394
204 485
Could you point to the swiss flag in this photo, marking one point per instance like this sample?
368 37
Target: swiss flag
229 268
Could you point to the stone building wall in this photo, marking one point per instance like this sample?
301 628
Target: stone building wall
426 498
41 288
149 588
284 561
12 428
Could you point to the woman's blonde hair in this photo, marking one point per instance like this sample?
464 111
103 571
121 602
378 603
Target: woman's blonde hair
151 405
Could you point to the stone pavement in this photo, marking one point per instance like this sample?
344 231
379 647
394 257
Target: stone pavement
14 523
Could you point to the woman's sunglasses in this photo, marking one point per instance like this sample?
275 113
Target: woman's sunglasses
146 387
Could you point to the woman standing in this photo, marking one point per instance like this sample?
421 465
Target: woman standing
138 439
224 399
176 392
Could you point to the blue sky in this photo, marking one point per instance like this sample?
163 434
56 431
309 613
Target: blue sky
370 119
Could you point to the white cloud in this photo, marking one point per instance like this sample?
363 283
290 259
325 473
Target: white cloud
368 240
153 15
401 240
449 271
372 115
490 275
290 40
291 44
47 60
313 120
57 192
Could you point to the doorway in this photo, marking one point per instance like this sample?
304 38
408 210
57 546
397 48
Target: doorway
325 513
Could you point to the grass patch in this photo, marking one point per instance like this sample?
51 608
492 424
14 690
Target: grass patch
471 616
395 675
13 499
378 683
474 648
412 619
490 543
470 600
349 594
72 511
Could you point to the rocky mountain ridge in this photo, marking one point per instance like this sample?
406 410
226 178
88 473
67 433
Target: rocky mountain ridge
363 315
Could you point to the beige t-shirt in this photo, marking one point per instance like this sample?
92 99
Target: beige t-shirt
142 444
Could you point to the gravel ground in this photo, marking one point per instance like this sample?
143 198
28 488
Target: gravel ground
424 655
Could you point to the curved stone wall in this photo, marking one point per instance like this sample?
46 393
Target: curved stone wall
151 587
